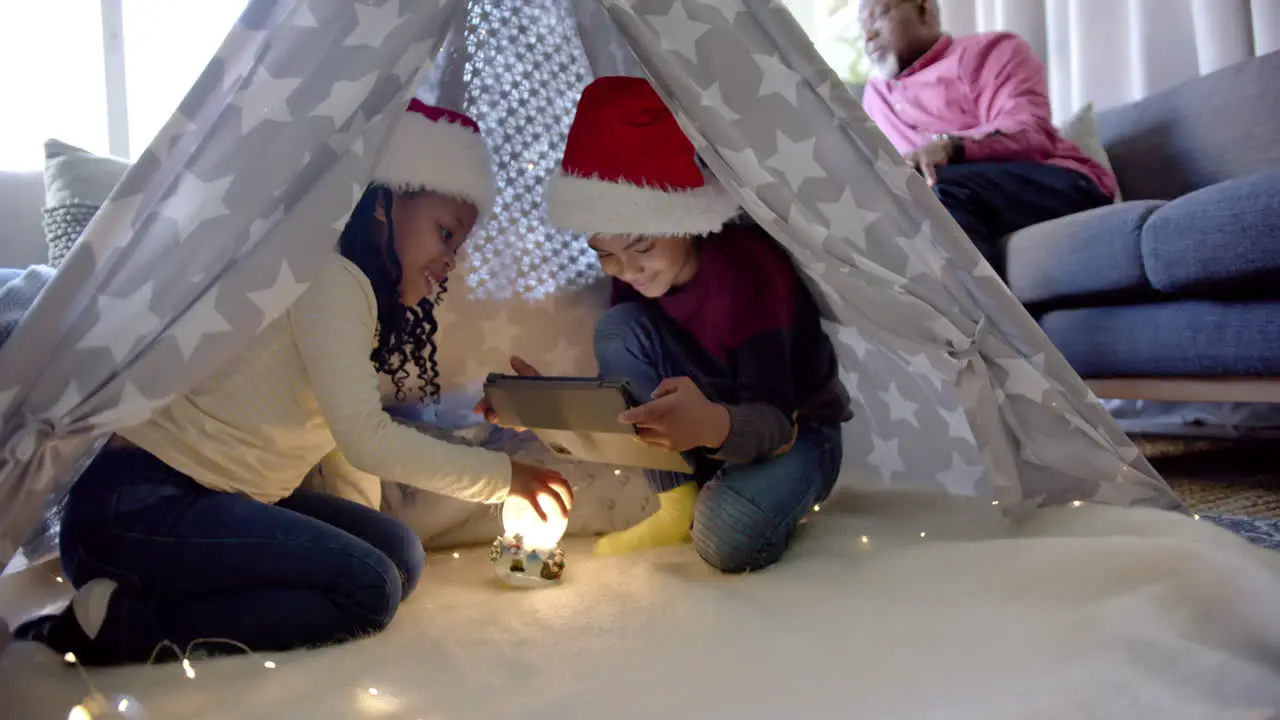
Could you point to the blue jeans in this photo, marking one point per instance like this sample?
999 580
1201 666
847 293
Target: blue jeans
746 514
195 563
992 199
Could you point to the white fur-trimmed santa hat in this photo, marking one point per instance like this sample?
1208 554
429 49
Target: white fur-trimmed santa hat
628 168
438 149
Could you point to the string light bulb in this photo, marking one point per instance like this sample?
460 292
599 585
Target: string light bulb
100 707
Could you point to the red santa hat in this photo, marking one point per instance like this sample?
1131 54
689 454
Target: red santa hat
628 168
434 148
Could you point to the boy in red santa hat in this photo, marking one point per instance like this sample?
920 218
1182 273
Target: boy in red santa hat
711 323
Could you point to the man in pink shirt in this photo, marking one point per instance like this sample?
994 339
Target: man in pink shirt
971 114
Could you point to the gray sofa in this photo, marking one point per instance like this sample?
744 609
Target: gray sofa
1171 294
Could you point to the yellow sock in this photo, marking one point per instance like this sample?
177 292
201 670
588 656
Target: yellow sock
668 526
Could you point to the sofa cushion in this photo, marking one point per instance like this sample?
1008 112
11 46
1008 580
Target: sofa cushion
1197 133
1093 256
1182 338
1225 237
21 239
76 183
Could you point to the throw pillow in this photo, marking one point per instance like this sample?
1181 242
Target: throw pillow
76 184
1082 129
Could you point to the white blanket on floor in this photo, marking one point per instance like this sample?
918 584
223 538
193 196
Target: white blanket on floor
1088 612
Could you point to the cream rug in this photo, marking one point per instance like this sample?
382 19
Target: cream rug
893 607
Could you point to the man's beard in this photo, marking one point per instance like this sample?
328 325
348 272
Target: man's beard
887 67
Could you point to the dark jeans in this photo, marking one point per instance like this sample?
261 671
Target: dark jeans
992 199
746 514
194 563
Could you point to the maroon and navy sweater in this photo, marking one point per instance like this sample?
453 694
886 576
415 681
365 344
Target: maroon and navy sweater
748 310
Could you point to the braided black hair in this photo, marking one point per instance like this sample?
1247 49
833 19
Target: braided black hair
406 335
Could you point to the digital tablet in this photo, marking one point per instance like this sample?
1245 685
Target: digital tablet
578 418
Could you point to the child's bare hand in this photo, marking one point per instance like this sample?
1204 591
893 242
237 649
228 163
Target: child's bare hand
532 483
679 417
485 409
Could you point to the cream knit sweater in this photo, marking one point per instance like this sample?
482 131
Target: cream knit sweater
305 392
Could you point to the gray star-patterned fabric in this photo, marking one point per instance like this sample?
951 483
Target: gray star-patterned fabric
226 217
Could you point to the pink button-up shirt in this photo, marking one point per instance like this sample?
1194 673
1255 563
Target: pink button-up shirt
989 89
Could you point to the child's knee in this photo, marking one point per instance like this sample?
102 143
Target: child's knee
372 594
410 561
620 328
735 535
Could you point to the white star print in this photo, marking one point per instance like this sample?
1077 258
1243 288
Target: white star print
729 8
122 322
920 366
886 458
499 332
202 319
133 408
265 99
777 78
847 219
165 140
340 224
71 397
961 478
374 24
758 210
260 227
747 167
1129 452
984 270
809 231
304 17
1023 379
345 97
677 32
851 337
410 65
351 140
274 300
922 257
6 399
895 173
712 98
795 160
564 358
899 407
112 226
621 57
195 202
957 423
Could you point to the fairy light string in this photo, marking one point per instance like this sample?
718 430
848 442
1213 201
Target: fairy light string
122 705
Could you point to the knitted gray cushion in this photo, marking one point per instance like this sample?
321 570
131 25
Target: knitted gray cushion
76 184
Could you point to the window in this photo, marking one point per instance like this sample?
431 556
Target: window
51 79
833 27
53 69
167 44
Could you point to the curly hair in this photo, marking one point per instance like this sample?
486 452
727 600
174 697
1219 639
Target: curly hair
406 335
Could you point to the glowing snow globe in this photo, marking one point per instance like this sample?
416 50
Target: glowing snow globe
528 554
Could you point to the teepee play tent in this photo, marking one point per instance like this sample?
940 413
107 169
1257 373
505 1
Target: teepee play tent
1040 575
220 224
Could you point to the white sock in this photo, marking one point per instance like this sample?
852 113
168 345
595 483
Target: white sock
90 605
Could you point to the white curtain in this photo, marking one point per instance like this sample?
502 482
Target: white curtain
1110 52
